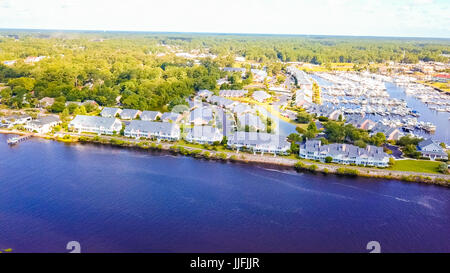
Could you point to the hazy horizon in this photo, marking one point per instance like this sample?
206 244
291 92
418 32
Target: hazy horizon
367 18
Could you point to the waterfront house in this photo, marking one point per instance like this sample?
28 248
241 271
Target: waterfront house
233 93
42 125
110 112
204 135
253 122
94 124
431 149
260 96
10 121
201 116
150 115
171 117
129 114
259 142
344 153
150 129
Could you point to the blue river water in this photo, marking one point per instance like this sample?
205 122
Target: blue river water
122 200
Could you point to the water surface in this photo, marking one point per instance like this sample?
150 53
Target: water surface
120 200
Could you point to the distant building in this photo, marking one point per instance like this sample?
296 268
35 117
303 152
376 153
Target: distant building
242 108
204 93
46 102
431 149
94 124
129 114
171 117
300 77
201 116
325 111
261 96
10 121
150 115
42 125
259 75
259 142
344 153
204 134
110 112
31 59
222 102
235 70
149 129
391 133
303 96
233 93
9 63
253 122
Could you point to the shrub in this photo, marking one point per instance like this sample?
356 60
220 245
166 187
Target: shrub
312 168
347 171
299 166
328 159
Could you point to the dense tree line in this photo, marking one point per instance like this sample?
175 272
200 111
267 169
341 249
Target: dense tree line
142 70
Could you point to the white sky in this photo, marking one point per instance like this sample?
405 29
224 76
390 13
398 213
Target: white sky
413 18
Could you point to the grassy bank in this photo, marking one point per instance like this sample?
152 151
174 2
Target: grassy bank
422 166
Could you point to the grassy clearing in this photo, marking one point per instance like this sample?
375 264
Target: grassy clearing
423 166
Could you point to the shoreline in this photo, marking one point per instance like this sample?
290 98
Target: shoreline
252 159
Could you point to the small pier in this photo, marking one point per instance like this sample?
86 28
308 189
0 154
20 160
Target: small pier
16 140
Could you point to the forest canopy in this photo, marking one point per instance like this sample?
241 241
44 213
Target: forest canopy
143 71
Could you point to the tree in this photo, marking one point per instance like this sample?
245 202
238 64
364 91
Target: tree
304 117
360 143
57 107
328 159
443 167
391 161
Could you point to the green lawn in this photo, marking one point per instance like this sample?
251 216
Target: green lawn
424 166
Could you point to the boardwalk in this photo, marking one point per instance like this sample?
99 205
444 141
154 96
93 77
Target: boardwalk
16 140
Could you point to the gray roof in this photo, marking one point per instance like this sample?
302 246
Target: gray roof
206 132
93 121
153 127
129 113
257 139
109 111
232 93
41 121
343 150
204 93
220 101
251 120
205 113
234 69
170 116
425 143
260 95
149 115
